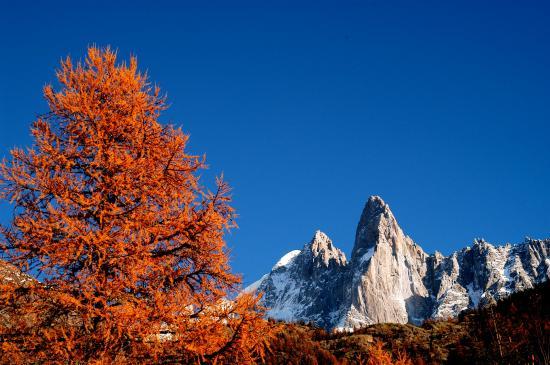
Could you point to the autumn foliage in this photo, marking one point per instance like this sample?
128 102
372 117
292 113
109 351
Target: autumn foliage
126 246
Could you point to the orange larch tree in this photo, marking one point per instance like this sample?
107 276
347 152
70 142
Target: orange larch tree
127 248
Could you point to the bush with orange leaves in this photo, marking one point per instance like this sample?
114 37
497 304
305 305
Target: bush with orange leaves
126 246
378 356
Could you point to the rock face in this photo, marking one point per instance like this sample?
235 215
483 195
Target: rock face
391 279
387 271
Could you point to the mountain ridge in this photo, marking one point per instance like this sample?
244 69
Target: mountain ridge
389 278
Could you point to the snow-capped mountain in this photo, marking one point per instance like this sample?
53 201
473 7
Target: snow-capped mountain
391 279
306 284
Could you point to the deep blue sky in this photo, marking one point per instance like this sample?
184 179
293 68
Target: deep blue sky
442 108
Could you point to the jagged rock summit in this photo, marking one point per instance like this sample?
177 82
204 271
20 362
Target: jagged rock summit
306 284
391 279
387 271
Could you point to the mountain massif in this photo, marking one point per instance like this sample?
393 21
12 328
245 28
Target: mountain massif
391 279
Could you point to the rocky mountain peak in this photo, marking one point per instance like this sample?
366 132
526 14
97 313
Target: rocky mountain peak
308 284
324 252
320 239
377 223
376 206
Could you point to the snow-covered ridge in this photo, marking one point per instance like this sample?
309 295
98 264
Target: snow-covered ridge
286 260
391 279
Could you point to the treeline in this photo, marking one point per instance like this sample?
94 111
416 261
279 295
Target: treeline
513 331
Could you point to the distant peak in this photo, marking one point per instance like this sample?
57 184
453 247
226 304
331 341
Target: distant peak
481 242
320 241
375 206
374 209
320 237
320 234
376 220
376 199
323 249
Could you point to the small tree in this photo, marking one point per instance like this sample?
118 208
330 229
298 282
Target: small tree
126 246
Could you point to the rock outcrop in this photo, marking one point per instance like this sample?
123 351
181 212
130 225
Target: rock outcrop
9 274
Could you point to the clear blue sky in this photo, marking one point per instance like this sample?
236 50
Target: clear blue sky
442 108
